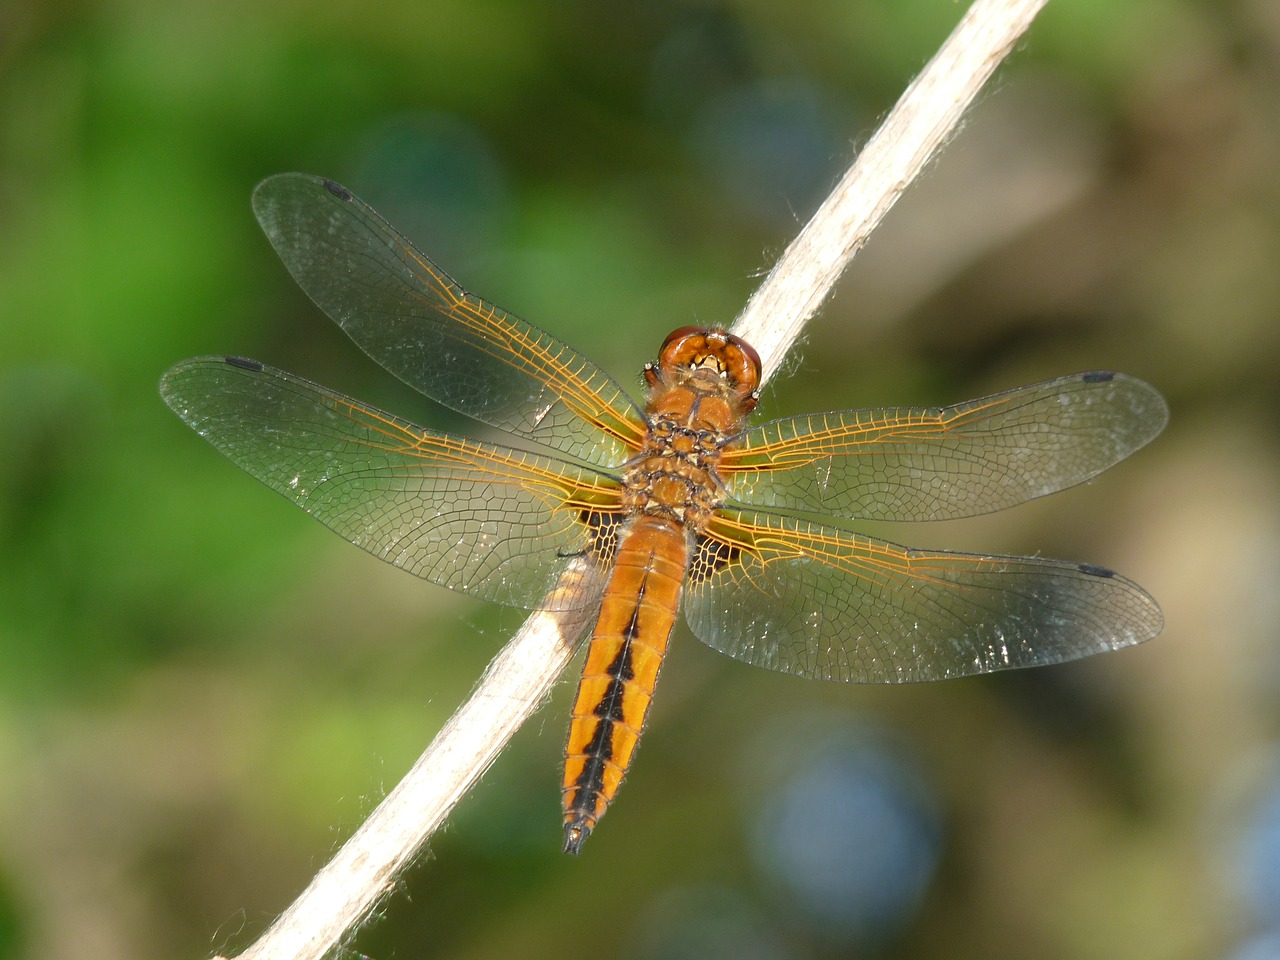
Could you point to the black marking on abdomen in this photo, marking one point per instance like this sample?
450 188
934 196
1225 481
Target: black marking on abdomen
609 711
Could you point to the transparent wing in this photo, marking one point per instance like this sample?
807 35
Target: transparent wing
492 522
818 602
419 324
940 463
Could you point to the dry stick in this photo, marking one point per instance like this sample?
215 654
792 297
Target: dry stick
519 678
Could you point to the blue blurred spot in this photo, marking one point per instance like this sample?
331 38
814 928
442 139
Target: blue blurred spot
770 146
700 58
773 145
436 178
1257 857
852 834
1266 947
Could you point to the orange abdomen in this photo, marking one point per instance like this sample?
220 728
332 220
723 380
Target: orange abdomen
627 647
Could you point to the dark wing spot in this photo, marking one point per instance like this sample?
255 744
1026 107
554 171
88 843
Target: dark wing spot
244 363
337 189
1098 376
602 535
710 556
1093 570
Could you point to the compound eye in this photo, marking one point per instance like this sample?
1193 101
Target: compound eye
751 355
679 334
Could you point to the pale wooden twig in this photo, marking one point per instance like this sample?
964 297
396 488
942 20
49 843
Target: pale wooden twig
519 678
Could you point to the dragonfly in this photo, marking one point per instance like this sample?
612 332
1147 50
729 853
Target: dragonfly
677 504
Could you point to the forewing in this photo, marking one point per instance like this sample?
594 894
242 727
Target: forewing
493 522
940 463
824 603
419 324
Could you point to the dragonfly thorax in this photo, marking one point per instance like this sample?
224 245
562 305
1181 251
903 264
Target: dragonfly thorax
700 392
671 486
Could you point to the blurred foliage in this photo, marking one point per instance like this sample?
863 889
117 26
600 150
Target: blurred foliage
204 692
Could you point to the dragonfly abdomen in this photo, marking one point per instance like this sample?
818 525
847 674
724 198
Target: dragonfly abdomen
628 644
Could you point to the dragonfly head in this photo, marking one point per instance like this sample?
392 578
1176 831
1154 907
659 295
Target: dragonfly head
715 356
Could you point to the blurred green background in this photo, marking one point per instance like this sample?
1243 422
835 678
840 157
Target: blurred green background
203 691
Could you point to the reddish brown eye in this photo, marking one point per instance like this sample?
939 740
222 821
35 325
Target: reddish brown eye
731 356
680 333
750 351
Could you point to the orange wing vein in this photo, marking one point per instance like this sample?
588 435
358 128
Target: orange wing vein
492 522
816 601
419 324
941 463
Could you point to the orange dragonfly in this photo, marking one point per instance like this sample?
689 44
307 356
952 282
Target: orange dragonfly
677 502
